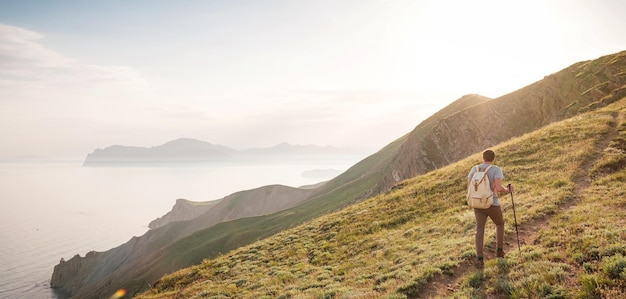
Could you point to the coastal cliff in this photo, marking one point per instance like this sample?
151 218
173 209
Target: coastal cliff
69 273
96 274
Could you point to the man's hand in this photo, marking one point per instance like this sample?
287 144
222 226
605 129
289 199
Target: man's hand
510 187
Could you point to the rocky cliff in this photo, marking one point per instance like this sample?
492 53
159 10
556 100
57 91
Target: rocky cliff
71 272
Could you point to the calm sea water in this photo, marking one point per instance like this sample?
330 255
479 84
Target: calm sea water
54 210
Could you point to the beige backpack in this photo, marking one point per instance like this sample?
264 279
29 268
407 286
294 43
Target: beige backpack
479 192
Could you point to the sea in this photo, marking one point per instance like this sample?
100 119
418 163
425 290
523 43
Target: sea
57 208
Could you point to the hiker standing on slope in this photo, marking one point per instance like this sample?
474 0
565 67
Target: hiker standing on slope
495 176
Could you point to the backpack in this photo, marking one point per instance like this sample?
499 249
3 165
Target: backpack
479 192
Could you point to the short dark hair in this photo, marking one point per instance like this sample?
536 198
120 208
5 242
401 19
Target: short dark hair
489 156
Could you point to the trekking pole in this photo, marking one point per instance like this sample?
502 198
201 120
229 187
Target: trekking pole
514 217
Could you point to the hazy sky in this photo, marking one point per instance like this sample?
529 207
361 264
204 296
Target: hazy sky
81 75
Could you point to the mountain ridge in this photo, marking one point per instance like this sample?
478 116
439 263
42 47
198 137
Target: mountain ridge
433 143
578 88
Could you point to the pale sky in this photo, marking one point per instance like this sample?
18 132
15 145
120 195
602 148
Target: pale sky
81 75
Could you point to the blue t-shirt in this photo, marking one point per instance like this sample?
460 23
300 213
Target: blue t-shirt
494 173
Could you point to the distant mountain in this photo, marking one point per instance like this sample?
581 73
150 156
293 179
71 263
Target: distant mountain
184 150
465 127
187 150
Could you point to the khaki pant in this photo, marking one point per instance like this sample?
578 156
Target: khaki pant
495 213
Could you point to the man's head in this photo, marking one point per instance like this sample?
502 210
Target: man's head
489 156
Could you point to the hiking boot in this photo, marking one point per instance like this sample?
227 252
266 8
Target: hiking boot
500 253
480 263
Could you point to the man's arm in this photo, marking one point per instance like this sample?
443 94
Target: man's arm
498 186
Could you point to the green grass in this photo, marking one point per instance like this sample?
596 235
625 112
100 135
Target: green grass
580 253
393 245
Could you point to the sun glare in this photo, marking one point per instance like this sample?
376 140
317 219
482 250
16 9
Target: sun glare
467 45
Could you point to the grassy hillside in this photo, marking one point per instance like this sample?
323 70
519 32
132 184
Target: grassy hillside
417 239
460 129
584 86
137 264
349 187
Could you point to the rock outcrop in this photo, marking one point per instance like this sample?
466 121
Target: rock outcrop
73 271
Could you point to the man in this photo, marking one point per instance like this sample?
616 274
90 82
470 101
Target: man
494 212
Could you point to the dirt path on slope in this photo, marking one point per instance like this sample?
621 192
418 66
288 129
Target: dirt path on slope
444 285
